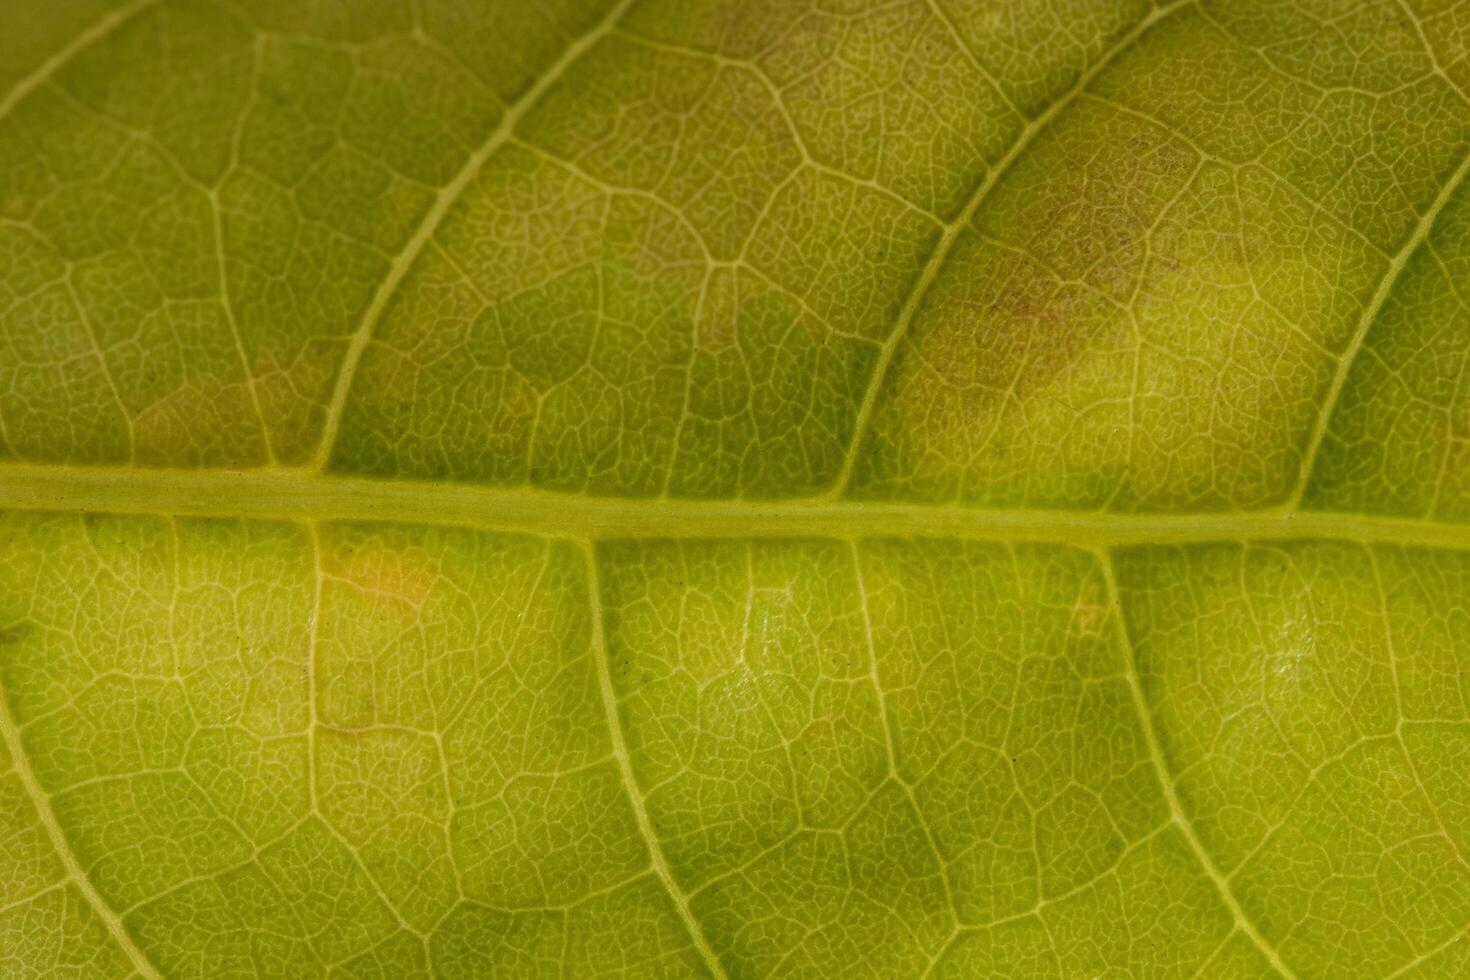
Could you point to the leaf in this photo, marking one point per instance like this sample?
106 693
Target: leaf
776 488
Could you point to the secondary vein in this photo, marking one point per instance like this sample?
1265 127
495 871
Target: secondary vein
443 202
1369 316
46 70
630 785
1166 782
20 761
952 230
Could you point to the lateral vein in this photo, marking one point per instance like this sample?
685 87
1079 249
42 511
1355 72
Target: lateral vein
630 786
443 202
47 69
1365 323
74 871
952 230
1166 782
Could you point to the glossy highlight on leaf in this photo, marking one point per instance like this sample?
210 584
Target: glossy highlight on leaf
734 488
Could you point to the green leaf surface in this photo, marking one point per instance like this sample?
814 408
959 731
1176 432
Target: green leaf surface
734 488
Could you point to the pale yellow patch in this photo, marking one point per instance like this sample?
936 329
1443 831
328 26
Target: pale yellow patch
398 580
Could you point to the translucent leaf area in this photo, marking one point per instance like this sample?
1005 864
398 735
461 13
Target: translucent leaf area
734 488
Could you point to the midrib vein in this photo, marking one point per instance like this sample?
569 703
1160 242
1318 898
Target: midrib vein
75 874
287 494
434 217
625 770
